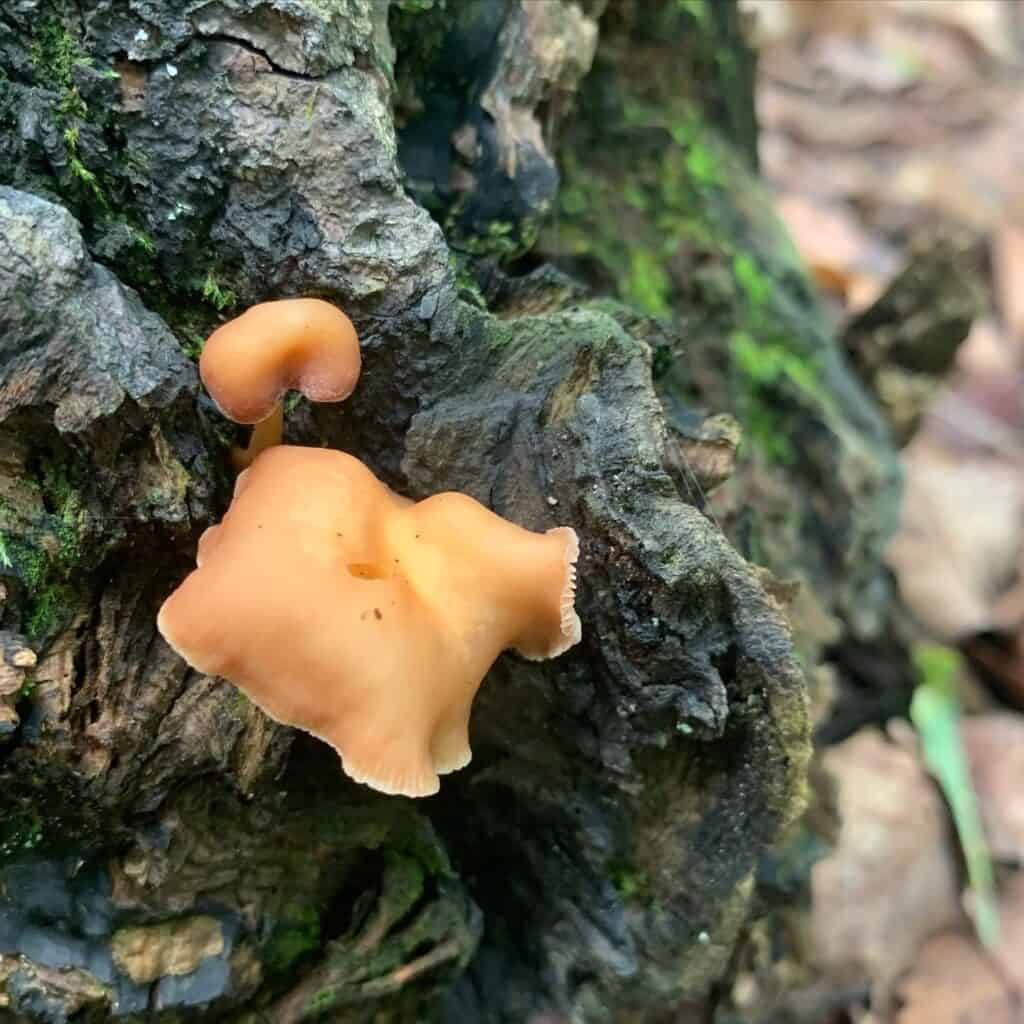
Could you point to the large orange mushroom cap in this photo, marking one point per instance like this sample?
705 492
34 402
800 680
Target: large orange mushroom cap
346 610
305 344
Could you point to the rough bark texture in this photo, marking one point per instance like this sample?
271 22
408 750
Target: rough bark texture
164 848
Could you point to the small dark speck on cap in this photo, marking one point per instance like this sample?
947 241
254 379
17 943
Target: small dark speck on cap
377 614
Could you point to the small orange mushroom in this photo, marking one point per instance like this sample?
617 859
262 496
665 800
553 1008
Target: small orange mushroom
367 620
250 362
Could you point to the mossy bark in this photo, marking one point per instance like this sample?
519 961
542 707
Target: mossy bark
164 164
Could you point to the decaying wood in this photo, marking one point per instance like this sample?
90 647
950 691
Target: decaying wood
599 860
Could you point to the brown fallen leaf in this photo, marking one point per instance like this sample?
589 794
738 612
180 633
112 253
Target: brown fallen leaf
905 110
1008 267
841 255
981 413
986 351
958 543
958 556
988 25
995 750
891 881
779 20
954 982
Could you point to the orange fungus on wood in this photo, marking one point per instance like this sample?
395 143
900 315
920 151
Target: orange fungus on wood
250 362
346 610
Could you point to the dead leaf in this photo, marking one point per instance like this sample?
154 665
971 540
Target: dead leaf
957 546
842 257
778 20
1008 266
986 351
953 982
902 109
995 749
891 881
988 25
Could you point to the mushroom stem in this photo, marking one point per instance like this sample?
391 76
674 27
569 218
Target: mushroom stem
265 434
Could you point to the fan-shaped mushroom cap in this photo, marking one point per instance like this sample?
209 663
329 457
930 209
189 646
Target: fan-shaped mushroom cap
346 610
306 344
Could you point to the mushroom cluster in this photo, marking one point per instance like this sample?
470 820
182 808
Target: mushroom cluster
337 605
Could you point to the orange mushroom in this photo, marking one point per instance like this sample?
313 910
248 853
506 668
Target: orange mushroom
348 611
250 362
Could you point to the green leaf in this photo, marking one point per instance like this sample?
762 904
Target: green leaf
935 711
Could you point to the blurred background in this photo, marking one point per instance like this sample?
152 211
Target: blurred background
892 134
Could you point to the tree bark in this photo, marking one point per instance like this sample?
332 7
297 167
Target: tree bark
167 849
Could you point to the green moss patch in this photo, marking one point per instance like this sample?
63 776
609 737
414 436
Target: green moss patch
45 531
680 226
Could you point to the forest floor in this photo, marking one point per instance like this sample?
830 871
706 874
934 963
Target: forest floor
887 129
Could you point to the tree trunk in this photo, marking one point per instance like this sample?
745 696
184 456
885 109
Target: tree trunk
166 848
